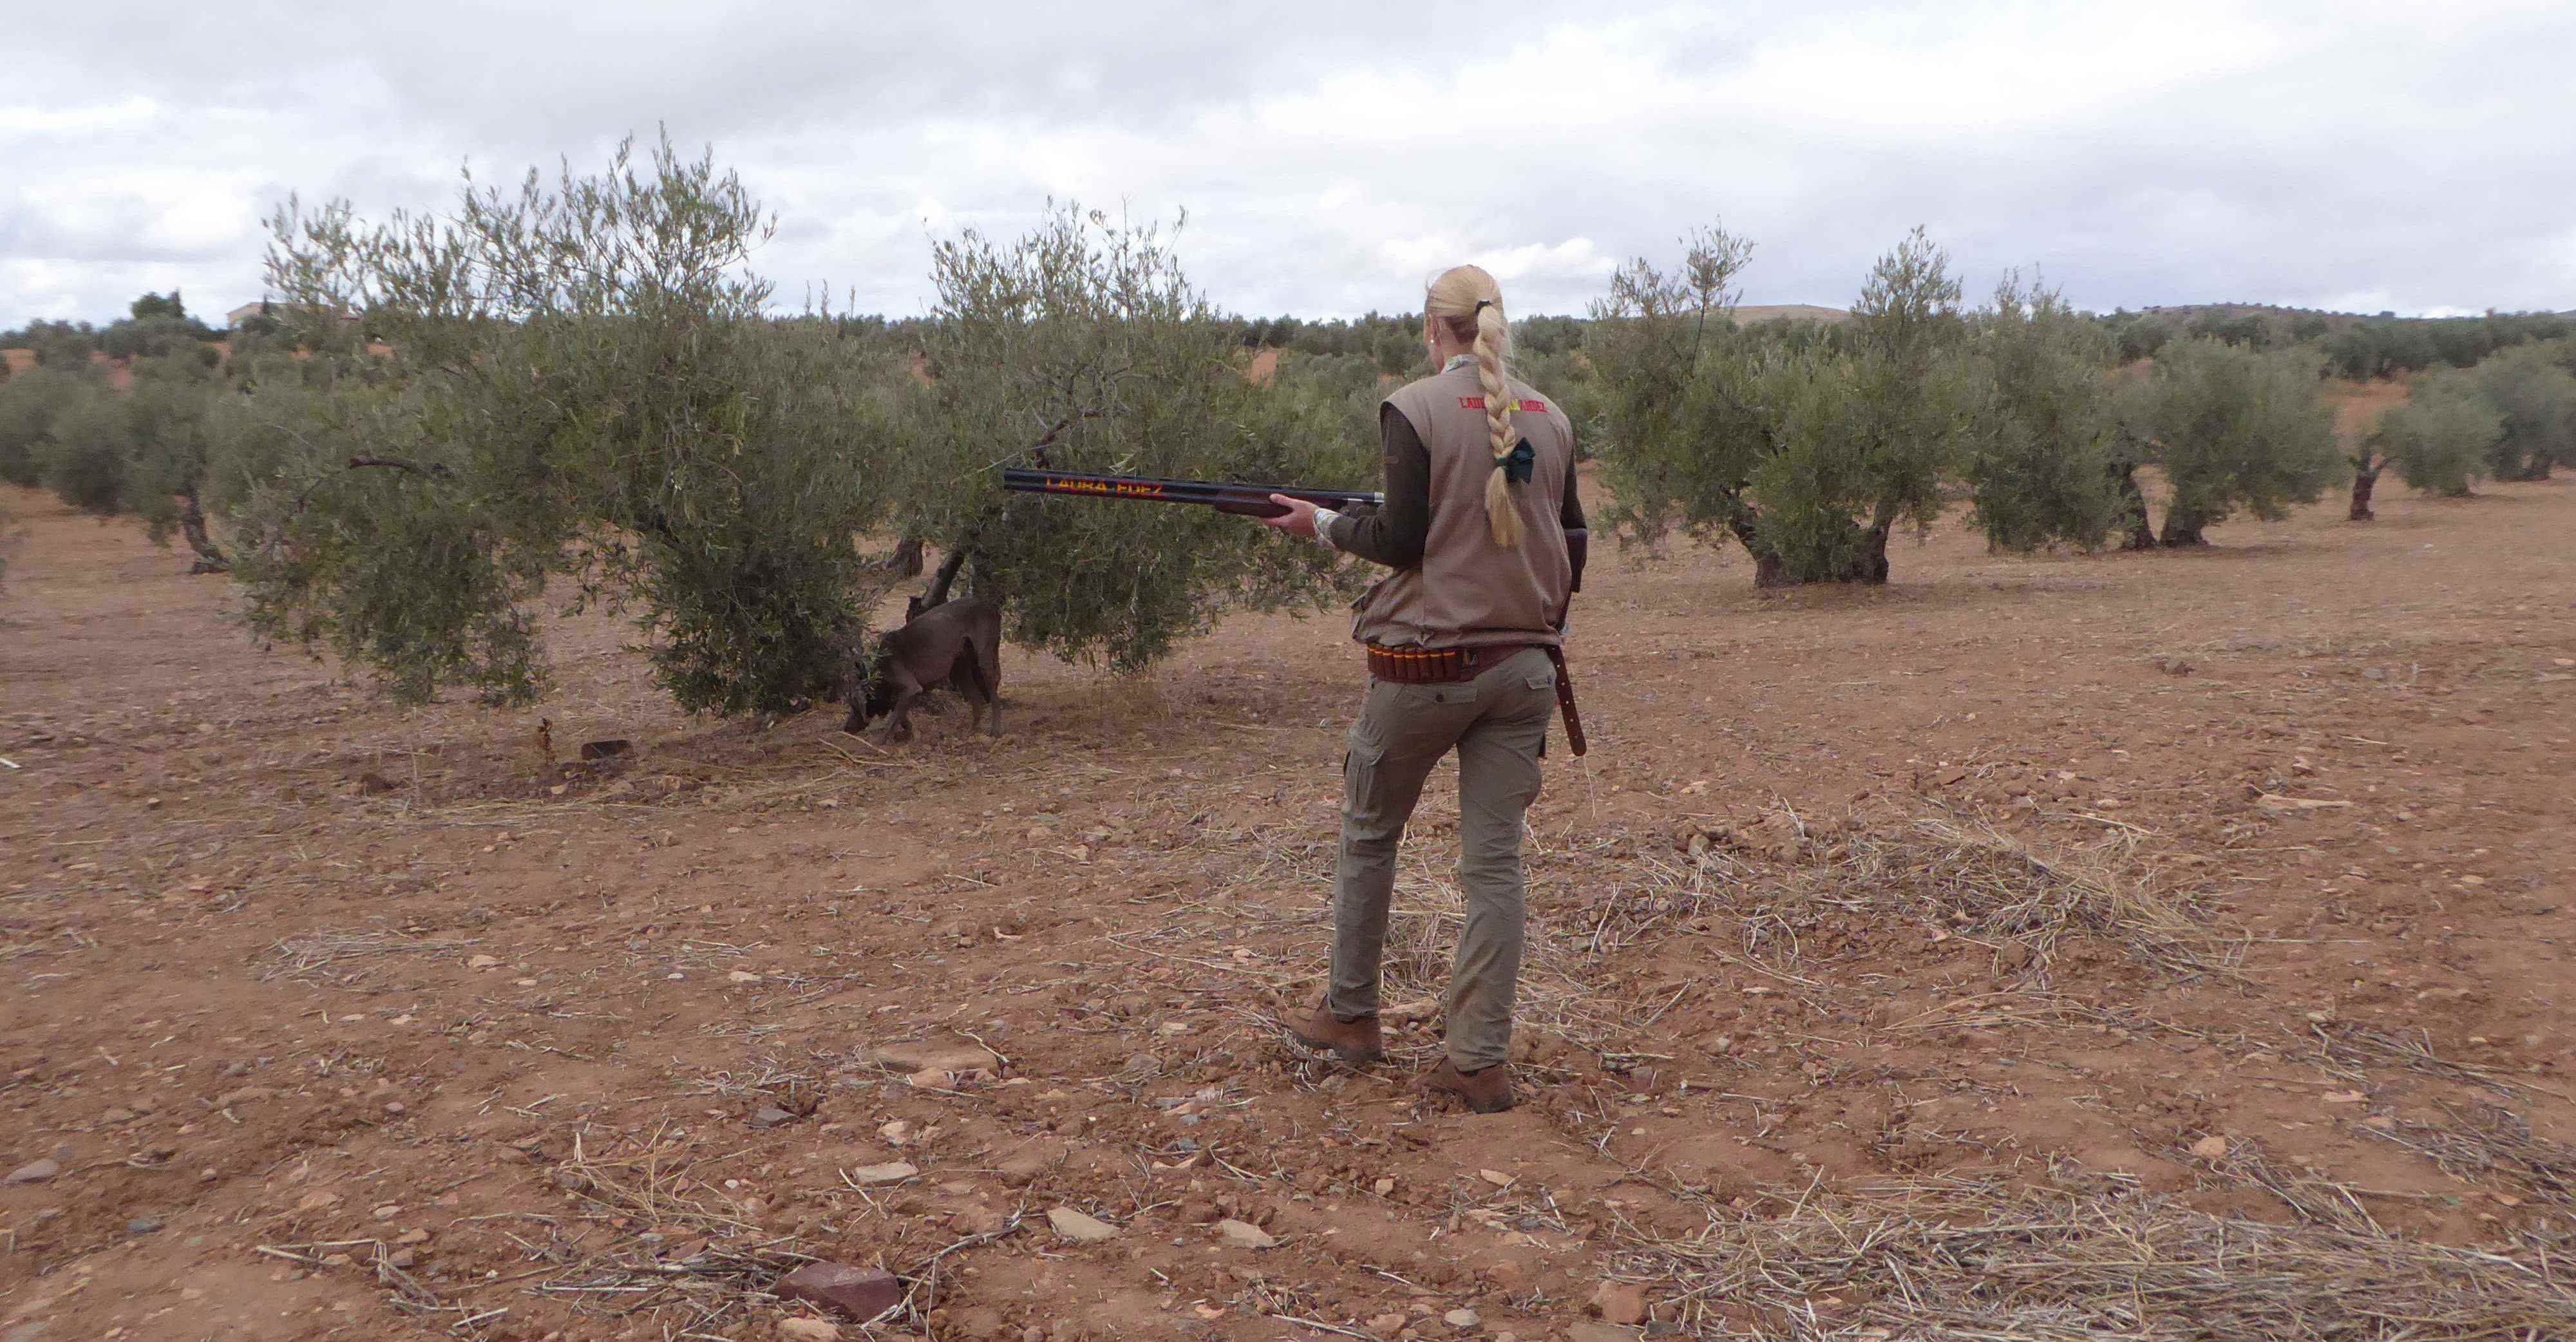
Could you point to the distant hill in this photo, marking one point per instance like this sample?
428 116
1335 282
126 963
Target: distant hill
2187 312
1749 313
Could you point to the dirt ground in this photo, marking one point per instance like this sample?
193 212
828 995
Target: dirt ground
2167 945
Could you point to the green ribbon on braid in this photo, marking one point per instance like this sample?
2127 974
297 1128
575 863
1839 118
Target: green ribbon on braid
1518 465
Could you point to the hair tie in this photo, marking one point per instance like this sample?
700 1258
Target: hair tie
1519 464
1481 305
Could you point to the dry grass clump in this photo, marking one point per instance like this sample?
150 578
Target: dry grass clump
1992 1258
2350 1050
686 1252
317 951
1982 884
2495 1143
2011 890
649 1184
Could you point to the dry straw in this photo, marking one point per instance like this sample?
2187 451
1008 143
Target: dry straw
1996 1260
318 951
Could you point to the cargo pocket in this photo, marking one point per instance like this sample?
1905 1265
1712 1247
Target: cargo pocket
1360 764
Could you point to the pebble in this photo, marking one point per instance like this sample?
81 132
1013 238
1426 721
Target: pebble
892 1172
861 1293
771 1116
1387 1325
1025 1166
2212 1147
808 1330
1620 1302
142 1225
484 962
954 1059
1245 1235
1073 1225
34 1171
1461 1318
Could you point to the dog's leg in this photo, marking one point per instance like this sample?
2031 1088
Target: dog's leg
907 692
988 660
898 723
978 692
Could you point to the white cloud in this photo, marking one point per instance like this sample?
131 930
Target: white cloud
128 114
1333 159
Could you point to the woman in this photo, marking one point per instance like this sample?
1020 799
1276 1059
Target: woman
1479 496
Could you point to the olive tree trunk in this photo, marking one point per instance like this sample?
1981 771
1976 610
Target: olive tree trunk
192 524
2365 479
2142 532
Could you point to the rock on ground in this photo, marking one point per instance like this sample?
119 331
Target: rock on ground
1073 1225
859 1292
1620 1302
1246 1235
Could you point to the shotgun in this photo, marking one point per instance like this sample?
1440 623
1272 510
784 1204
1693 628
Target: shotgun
1254 501
1246 500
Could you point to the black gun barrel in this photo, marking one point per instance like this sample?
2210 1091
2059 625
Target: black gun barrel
1248 500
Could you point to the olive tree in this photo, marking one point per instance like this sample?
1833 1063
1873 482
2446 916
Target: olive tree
88 458
1809 453
2233 429
1680 441
171 403
1083 345
2535 398
2438 441
575 380
2039 466
31 403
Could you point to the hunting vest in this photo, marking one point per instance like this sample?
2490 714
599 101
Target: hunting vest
1470 591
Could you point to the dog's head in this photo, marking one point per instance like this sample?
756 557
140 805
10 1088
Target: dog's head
873 696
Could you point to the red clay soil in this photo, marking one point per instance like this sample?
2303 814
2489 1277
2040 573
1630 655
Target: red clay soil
2229 886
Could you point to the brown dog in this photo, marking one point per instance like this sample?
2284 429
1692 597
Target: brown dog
957 644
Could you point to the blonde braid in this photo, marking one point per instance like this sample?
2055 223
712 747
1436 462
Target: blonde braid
1468 301
1502 506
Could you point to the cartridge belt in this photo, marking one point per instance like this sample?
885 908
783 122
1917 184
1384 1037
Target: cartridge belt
1437 666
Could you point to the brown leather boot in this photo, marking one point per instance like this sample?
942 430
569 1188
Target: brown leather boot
1356 1042
1487 1090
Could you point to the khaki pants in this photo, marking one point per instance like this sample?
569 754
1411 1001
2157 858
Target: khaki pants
1498 725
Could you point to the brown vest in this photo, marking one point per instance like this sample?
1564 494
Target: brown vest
1468 590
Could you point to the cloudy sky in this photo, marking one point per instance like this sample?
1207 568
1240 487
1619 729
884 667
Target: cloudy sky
2355 155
